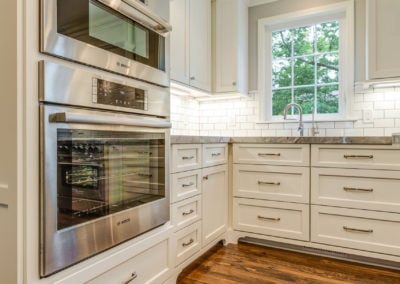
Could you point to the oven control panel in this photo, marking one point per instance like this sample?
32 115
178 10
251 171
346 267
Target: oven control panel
114 94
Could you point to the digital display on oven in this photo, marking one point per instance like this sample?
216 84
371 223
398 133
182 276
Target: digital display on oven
114 94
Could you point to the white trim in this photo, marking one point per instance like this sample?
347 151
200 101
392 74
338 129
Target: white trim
265 25
253 3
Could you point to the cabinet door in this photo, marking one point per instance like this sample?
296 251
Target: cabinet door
215 202
383 38
231 46
200 44
179 17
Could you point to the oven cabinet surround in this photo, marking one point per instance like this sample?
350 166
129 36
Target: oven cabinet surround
199 200
383 39
342 198
230 46
191 43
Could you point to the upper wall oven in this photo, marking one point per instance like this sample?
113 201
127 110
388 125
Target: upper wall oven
128 37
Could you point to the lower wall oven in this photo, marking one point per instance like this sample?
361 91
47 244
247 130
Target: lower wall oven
104 180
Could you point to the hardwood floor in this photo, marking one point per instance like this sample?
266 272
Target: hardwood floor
248 263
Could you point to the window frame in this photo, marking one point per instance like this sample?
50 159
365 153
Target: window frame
344 13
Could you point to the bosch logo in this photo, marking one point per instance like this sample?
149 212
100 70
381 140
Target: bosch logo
124 221
119 64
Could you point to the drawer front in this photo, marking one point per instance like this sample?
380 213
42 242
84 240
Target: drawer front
143 268
272 154
215 154
358 229
291 184
280 219
187 242
357 157
185 185
186 212
185 157
364 189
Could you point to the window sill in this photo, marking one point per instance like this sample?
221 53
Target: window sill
351 119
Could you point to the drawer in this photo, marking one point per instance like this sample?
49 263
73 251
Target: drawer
214 154
272 154
186 212
185 157
354 188
357 229
187 242
279 219
278 183
185 185
361 157
143 268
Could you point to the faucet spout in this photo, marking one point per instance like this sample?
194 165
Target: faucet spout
300 109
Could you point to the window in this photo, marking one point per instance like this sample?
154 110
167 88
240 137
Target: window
306 58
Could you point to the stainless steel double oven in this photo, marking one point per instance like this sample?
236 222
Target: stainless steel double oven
104 138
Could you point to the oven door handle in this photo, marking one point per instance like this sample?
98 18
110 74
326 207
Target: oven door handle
68 117
141 14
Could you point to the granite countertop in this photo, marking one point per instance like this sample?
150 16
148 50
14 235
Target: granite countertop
362 140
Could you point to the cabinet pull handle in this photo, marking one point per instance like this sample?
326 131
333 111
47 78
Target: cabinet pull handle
358 189
188 243
133 277
269 182
369 231
187 184
188 213
233 83
358 156
192 78
215 154
205 177
268 218
269 154
187 157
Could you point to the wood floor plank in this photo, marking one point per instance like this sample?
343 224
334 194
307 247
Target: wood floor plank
248 263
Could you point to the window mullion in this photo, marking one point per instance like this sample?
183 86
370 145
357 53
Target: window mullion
292 67
315 110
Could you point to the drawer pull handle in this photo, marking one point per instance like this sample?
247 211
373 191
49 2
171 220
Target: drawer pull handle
133 277
215 154
269 154
205 177
187 157
187 184
358 189
358 156
188 213
357 230
188 243
269 182
268 218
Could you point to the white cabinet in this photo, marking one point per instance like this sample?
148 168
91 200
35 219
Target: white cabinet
215 202
191 43
383 38
231 46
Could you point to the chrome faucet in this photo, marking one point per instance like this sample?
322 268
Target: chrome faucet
289 106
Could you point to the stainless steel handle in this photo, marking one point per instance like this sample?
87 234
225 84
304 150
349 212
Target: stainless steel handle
187 184
269 154
268 218
69 117
269 182
188 243
358 156
133 277
191 211
369 231
141 14
215 154
358 189
187 157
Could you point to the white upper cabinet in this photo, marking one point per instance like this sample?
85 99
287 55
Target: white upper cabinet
383 35
191 43
231 46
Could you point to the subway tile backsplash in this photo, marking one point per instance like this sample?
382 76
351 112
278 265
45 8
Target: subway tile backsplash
240 117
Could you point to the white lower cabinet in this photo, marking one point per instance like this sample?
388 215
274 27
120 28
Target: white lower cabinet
142 268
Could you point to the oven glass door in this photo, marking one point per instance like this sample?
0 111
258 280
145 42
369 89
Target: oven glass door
97 24
100 173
